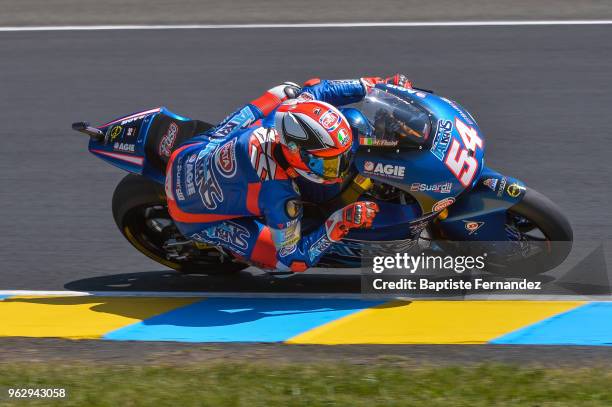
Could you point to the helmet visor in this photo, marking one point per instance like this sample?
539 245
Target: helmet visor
329 168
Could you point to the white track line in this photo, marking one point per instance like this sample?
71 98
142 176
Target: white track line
310 25
205 294
179 294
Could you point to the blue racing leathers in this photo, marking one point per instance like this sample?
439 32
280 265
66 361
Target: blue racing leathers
228 187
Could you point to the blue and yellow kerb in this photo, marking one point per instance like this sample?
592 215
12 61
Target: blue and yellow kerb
307 321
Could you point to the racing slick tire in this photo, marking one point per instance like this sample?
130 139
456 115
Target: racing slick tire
141 214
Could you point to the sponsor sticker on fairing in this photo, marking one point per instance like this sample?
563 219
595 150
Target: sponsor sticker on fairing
440 188
502 186
133 119
440 205
384 170
514 190
442 139
464 114
491 183
124 147
370 141
418 93
168 140
472 226
130 132
115 132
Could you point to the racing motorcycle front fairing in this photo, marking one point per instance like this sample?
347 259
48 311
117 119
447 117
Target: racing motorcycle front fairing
480 214
431 148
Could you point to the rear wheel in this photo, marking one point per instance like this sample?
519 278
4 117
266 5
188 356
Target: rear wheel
141 214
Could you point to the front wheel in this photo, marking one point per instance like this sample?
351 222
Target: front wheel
141 214
540 232
539 239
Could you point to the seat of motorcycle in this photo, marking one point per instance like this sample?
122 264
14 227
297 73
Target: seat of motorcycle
159 128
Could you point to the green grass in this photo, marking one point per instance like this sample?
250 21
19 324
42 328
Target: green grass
235 384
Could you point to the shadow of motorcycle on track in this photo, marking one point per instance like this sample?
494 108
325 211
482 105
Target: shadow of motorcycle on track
242 282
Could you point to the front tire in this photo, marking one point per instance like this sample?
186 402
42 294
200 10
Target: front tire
537 212
539 239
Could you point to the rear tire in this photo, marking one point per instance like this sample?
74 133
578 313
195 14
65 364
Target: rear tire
133 197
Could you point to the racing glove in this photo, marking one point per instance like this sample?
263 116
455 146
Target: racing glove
355 215
370 81
399 80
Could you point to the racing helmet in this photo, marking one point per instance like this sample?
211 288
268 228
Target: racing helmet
316 140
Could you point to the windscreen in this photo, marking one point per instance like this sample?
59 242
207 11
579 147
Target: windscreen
396 121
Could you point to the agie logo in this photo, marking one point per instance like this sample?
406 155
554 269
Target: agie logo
384 170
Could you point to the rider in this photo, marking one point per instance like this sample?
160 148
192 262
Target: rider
234 186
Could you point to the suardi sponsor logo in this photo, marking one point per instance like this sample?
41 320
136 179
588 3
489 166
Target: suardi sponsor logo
178 175
441 188
384 170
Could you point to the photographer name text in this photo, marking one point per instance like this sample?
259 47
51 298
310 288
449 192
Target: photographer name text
436 285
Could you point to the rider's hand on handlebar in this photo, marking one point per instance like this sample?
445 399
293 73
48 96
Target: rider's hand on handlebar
399 80
355 215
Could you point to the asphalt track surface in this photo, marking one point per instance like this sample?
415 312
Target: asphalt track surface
77 12
541 95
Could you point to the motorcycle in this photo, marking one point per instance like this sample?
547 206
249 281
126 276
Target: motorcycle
432 187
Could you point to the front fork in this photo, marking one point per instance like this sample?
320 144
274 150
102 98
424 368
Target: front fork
480 214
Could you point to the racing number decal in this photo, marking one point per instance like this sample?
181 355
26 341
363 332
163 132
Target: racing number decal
459 160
